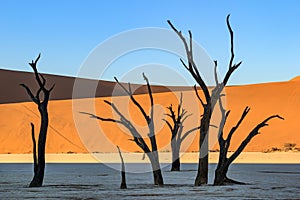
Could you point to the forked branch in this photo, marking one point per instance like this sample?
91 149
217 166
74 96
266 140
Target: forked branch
136 103
224 162
41 81
253 133
192 67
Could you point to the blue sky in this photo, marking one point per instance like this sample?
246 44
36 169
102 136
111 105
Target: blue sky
65 32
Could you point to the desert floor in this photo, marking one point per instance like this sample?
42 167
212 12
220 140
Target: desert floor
100 181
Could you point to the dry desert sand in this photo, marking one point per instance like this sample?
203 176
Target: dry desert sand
70 131
244 158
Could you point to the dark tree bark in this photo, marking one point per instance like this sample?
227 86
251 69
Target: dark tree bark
42 103
151 151
176 128
123 172
225 161
210 98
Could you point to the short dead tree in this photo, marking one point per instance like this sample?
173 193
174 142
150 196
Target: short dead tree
123 172
41 99
151 152
177 135
225 161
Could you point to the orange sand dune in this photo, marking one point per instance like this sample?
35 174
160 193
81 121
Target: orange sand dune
72 131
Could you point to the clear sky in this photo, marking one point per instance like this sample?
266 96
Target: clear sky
267 33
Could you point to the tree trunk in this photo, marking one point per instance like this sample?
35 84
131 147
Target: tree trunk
176 164
157 175
175 155
123 182
219 177
202 174
38 177
158 179
221 174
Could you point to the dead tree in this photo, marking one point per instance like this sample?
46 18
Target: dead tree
151 152
225 161
176 128
210 98
123 172
41 99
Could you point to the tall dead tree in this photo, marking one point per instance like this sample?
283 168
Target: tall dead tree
41 99
211 97
176 128
225 161
151 152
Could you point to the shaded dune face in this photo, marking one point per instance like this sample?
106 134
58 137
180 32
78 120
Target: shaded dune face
71 131
11 80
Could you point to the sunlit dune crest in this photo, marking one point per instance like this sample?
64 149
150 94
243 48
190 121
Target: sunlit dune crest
297 78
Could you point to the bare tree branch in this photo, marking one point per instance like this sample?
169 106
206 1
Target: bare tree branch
216 73
191 45
101 118
192 66
172 113
169 125
123 118
41 81
123 87
150 95
198 96
38 76
179 110
52 87
231 67
30 93
253 133
189 132
185 117
233 129
134 100
183 63
231 41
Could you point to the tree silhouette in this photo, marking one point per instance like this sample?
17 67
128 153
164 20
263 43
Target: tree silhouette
151 152
176 128
210 97
123 172
42 103
225 161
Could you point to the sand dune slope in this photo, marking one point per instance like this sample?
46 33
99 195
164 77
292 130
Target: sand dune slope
11 80
72 131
